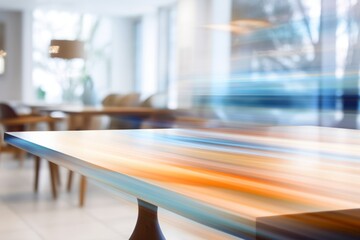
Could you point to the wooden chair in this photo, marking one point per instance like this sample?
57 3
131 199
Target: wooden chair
162 119
118 100
13 122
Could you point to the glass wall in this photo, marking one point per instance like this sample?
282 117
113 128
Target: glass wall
270 62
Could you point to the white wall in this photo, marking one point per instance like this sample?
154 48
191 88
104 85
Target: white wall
11 81
122 72
28 91
149 54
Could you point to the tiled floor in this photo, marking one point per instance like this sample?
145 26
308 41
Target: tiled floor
28 216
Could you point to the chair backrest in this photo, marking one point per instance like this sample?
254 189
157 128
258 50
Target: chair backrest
111 99
157 100
129 100
118 100
6 111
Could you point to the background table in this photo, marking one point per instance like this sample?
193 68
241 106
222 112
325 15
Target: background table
290 182
85 113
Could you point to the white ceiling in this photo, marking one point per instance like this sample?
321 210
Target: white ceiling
112 7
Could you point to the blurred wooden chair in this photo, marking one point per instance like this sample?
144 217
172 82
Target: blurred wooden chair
13 122
156 100
163 119
119 100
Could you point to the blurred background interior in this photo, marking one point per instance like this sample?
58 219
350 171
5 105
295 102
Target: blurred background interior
217 63
268 62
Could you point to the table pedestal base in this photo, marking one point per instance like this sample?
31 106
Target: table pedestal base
147 225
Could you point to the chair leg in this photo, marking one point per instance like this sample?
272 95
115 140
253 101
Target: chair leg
51 126
52 168
57 174
82 190
69 183
37 171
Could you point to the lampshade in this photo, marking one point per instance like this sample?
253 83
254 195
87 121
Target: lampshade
67 49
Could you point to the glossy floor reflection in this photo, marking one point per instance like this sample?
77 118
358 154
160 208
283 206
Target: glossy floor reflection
30 216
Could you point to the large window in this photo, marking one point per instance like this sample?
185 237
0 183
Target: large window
50 75
290 62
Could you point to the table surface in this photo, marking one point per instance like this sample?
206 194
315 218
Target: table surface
225 179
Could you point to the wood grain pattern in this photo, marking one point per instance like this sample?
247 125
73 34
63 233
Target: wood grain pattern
224 179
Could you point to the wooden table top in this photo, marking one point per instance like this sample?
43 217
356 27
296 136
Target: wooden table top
225 179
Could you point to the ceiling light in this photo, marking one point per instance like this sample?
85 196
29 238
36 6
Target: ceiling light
243 26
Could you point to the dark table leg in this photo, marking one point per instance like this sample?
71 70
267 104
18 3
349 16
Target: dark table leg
147 225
